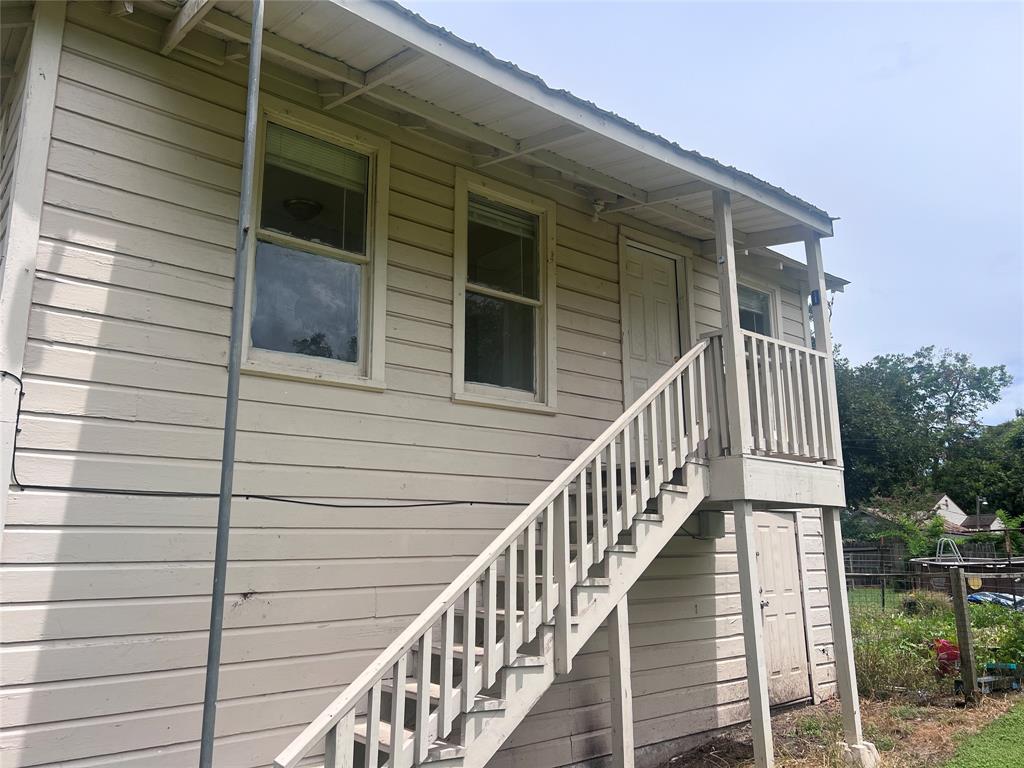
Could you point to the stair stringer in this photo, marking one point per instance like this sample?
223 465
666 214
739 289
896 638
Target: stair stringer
523 687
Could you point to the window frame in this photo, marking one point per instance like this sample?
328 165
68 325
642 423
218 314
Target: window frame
368 372
543 398
771 292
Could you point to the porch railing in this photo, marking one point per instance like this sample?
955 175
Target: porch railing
790 398
566 529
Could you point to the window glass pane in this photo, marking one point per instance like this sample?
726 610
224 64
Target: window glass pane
499 342
754 310
314 190
306 304
502 247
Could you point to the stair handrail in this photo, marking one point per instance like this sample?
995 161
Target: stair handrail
377 670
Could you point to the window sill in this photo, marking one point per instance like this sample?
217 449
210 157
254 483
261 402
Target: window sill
508 404
314 374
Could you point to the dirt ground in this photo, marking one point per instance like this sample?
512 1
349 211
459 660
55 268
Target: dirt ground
906 735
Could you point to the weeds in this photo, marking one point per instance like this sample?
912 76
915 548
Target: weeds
893 649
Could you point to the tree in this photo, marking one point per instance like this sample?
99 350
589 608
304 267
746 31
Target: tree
905 417
991 465
316 345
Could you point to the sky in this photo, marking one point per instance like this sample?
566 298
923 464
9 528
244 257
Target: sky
905 120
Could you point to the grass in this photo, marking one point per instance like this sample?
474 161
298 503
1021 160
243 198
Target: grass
906 735
997 745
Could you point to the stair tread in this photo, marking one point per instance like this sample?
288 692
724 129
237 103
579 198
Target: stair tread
498 611
528 660
384 737
411 686
383 732
458 650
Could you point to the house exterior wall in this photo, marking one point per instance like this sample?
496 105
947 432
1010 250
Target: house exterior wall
948 510
106 595
11 109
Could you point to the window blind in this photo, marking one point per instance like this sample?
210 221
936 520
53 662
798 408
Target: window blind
313 157
502 217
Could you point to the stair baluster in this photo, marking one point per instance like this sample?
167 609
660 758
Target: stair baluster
580 516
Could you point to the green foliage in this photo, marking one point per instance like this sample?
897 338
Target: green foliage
1014 530
998 745
991 466
905 417
906 516
893 648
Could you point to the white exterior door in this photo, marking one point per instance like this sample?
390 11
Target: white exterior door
778 569
651 309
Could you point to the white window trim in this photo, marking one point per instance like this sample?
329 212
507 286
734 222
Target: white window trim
774 308
369 372
544 399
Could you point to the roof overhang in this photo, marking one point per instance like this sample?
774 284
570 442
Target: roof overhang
380 56
474 60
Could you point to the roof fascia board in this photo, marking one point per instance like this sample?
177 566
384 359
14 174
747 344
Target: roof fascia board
395 20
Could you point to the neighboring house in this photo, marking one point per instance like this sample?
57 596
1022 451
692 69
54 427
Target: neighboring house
948 510
983 523
954 520
509 360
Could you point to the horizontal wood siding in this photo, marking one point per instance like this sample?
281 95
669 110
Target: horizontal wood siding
689 672
11 108
822 658
106 595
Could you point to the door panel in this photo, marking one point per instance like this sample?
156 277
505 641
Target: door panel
778 569
652 312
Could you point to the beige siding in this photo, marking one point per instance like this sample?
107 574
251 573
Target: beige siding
11 108
689 672
822 659
106 596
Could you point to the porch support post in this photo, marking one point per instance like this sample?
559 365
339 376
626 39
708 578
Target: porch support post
823 339
620 680
736 397
859 752
753 635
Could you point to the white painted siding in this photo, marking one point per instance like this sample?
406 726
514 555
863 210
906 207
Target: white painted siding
106 596
689 670
11 108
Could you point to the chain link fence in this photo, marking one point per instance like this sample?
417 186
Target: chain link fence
909 625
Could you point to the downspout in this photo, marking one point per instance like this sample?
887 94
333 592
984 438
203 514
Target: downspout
227 468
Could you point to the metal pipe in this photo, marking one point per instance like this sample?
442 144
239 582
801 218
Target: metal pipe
227 467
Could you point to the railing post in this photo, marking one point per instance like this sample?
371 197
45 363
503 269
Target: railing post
563 661
823 340
736 395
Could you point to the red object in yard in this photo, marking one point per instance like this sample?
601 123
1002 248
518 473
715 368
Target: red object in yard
947 657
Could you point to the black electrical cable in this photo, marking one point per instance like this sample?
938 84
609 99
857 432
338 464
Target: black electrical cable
202 495
17 423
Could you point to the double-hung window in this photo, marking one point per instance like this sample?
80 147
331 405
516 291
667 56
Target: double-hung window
755 310
504 324
318 263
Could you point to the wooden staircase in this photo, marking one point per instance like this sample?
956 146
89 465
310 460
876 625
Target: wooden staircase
470 668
